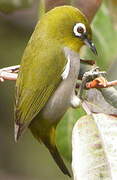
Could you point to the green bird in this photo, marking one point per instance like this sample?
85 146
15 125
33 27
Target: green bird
45 87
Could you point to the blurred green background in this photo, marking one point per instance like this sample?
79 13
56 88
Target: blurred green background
29 160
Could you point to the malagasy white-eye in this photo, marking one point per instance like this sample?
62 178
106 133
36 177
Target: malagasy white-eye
48 74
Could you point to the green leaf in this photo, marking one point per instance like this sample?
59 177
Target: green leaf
64 131
110 95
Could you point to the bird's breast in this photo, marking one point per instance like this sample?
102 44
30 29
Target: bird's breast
59 102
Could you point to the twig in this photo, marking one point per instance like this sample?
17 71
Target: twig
98 83
11 68
9 73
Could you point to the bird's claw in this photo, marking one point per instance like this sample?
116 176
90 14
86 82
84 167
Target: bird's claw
88 76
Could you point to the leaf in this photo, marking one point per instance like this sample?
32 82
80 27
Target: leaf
107 126
110 95
102 102
94 143
64 131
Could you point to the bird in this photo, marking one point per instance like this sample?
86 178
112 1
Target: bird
45 86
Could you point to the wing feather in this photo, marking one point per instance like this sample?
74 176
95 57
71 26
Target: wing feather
39 76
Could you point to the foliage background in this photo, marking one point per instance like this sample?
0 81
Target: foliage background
28 159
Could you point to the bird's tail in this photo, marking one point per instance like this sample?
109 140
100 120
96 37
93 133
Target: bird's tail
49 141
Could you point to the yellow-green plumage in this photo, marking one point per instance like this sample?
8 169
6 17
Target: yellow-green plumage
40 73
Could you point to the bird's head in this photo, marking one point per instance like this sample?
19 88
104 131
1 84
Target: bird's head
69 26
82 31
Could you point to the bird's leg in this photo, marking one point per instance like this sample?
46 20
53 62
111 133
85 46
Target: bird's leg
89 76
75 100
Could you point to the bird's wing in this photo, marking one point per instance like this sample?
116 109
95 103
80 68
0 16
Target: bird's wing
39 76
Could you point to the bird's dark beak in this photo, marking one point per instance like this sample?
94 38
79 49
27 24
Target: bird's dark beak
89 43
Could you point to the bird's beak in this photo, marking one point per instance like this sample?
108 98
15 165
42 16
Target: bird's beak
89 43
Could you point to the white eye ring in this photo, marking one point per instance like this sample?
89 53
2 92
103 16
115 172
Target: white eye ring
75 29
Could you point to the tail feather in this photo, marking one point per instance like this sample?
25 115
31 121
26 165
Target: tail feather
48 139
56 156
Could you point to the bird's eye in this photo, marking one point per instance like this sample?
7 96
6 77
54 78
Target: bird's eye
79 29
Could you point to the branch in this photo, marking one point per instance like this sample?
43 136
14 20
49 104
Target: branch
9 73
88 7
100 82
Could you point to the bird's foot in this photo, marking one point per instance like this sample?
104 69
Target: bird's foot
90 76
75 101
